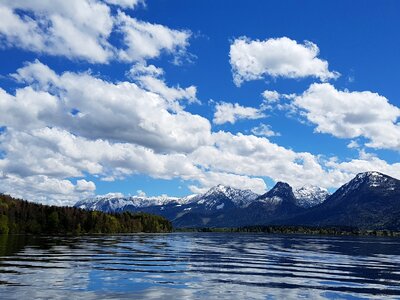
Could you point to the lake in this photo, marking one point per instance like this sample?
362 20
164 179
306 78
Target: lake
199 266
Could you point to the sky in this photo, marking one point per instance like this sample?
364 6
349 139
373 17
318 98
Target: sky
173 97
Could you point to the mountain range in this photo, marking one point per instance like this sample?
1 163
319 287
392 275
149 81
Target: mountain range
370 201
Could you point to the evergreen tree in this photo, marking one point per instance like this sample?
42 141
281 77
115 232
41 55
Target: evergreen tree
18 216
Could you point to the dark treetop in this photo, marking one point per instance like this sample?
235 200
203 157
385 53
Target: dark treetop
18 216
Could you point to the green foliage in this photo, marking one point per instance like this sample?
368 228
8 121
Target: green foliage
18 216
53 221
4 224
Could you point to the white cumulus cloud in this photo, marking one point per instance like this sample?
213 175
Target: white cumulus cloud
347 114
144 40
209 179
366 162
122 111
44 189
271 96
151 79
231 112
75 28
253 156
83 185
81 29
276 57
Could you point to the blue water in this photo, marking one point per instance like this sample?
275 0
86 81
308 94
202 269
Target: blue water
199 266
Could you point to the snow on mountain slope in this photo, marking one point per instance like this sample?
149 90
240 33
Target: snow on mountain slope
371 180
153 201
274 200
309 196
240 198
211 199
370 200
117 202
279 194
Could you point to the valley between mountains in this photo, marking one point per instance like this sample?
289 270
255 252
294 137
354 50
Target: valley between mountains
369 201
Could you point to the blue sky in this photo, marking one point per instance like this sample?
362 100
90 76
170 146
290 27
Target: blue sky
173 97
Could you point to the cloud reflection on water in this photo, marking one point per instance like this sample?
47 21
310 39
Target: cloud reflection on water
201 265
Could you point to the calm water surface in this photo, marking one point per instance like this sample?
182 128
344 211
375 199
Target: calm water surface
199 266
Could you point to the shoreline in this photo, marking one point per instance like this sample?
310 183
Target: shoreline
297 230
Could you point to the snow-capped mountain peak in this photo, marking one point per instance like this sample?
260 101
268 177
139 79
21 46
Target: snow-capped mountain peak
110 202
139 201
117 202
309 195
240 198
212 199
372 179
189 199
226 206
218 189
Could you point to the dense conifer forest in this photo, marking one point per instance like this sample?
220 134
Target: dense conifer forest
19 216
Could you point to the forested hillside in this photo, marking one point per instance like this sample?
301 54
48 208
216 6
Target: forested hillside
19 216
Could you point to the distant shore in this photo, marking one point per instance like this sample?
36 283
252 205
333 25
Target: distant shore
308 230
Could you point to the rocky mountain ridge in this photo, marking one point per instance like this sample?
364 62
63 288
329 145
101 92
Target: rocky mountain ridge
306 196
370 200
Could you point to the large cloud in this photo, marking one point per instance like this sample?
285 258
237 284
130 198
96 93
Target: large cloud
50 155
257 156
207 180
58 153
348 114
70 28
44 189
280 57
81 29
74 124
365 162
121 112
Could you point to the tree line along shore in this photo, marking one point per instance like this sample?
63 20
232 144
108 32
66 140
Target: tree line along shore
23 217
305 230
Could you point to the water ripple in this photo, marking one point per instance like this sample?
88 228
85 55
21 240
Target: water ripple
199 266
